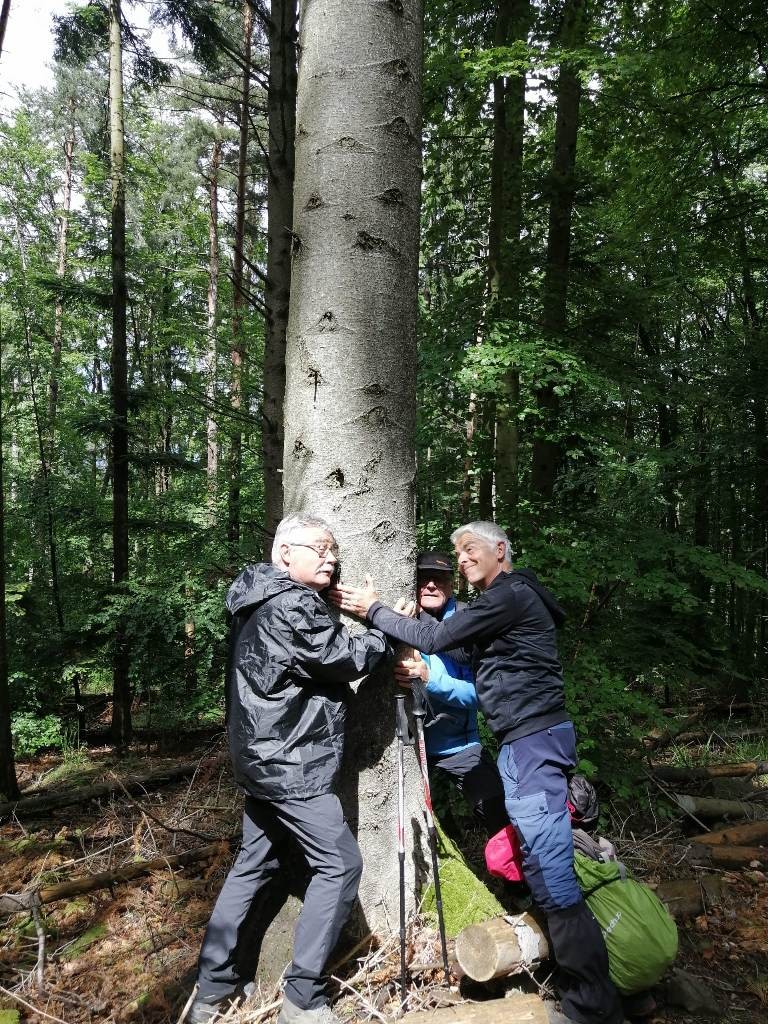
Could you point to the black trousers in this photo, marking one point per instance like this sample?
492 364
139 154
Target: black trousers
334 860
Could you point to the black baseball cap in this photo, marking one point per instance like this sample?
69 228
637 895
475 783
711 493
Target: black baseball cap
433 561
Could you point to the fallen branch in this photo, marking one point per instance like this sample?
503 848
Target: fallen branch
743 770
153 817
662 738
11 903
708 807
755 832
726 856
32 805
687 897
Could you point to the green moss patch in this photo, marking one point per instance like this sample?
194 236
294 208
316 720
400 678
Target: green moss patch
84 942
466 900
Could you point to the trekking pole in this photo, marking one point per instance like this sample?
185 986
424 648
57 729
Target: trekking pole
401 729
419 711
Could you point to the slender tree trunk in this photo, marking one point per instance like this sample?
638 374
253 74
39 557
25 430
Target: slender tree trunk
281 108
5 11
9 787
211 431
61 268
351 352
504 256
546 449
121 690
239 300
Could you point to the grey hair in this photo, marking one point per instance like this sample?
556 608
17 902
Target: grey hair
292 525
489 532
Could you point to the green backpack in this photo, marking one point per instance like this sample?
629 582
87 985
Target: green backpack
640 935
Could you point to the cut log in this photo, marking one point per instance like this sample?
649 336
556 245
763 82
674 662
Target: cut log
743 770
515 1010
689 897
727 856
501 946
11 903
752 834
709 807
32 805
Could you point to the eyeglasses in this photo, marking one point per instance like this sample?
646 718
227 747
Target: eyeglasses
321 549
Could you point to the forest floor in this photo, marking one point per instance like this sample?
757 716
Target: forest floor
127 953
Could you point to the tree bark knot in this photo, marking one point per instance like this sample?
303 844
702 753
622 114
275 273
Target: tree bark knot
314 202
396 6
400 127
391 197
383 532
300 450
399 68
327 322
348 144
335 479
372 243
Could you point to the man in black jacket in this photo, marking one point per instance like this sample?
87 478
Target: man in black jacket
286 702
510 634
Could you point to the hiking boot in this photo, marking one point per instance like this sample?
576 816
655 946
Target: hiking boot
290 1014
202 1012
640 1004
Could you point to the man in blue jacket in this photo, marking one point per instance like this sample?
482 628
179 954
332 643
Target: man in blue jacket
451 736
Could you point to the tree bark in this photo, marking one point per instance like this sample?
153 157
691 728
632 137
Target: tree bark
5 12
351 353
735 835
504 255
121 690
61 269
500 947
711 807
546 450
211 429
743 770
689 897
9 787
723 856
281 109
239 297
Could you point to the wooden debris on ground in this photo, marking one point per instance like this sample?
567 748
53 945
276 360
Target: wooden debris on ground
709 808
501 947
518 1009
703 773
689 897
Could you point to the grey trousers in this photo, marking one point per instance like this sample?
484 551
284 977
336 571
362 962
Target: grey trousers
334 860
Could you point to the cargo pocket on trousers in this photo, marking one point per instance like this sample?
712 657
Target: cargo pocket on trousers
529 815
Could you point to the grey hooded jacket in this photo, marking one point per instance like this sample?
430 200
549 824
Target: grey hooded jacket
287 686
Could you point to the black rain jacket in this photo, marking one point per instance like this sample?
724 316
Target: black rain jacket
510 634
287 687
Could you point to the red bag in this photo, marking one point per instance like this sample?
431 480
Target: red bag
503 855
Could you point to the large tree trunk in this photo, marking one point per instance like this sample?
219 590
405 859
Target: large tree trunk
504 264
121 689
211 429
9 787
546 450
239 298
351 353
281 108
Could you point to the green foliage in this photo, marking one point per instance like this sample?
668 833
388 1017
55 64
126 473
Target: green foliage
32 733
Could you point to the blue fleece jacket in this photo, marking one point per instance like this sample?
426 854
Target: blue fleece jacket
451 692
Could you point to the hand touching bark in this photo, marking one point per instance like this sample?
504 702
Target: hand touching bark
407 666
354 600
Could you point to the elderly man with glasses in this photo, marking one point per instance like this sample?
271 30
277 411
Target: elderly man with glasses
287 685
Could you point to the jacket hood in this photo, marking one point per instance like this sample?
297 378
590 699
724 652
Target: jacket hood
550 602
257 583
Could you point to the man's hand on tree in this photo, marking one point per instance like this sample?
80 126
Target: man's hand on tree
354 600
409 666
